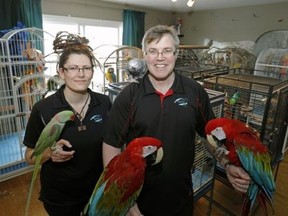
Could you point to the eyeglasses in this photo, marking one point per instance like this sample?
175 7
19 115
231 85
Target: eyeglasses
165 52
73 69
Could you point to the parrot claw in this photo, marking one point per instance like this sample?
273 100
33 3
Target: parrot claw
220 152
53 148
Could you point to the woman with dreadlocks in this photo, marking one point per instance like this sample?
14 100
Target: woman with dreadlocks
71 168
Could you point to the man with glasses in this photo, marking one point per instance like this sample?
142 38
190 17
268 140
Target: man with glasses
172 108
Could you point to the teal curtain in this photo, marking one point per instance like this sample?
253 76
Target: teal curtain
28 12
133 27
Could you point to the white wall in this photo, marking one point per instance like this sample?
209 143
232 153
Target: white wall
235 24
102 10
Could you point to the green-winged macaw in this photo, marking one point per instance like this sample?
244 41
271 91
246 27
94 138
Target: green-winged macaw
244 148
122 179
47 139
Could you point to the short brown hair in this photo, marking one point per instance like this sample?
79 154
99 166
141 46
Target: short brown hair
157 32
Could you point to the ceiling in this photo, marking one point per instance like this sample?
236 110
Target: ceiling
181 5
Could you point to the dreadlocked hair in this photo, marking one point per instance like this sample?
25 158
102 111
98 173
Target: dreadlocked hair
64 39
66 43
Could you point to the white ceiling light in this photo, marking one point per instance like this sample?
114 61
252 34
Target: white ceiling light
190 3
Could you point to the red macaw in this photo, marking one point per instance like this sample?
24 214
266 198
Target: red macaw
122 179
245 149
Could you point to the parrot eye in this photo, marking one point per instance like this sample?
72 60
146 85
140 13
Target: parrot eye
219 134
152 154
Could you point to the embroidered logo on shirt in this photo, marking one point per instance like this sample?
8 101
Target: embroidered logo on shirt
96 118
181 102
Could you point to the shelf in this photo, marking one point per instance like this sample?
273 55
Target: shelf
193 47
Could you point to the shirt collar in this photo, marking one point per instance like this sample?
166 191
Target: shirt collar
60 101
177 85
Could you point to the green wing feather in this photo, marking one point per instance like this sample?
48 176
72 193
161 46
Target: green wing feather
47 139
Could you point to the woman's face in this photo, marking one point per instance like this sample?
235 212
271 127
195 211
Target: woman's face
77 72
161 57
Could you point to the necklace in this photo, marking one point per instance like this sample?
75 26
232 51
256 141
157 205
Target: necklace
79 115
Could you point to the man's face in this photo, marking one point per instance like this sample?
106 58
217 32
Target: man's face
161 57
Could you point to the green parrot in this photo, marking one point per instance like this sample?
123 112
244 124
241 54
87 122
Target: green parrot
47 139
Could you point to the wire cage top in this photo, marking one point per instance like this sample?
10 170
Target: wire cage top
261 103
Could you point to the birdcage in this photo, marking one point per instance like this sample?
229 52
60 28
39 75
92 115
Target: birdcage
272 63
202 71
24 71
188 63
260 102
204 164
114 58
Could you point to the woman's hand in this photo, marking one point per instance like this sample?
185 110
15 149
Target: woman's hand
57 153
239 179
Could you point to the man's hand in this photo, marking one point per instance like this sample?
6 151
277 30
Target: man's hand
134 211
239 179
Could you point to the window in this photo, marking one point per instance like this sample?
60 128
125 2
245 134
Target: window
98 32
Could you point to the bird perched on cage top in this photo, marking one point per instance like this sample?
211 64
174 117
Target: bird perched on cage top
136 69
210 43
110 75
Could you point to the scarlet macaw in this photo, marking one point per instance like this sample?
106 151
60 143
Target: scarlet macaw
244 148
47 139
122 179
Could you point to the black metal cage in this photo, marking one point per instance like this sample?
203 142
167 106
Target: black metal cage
260 102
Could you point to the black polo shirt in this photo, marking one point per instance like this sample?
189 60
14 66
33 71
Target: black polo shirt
174 118
72 181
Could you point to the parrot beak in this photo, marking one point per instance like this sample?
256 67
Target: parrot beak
152 154
72 117
218 134
211 140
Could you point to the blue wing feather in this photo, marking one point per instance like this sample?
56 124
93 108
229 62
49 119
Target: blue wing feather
257 165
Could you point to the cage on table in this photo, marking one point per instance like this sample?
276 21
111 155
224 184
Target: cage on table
203 168
262 104
202 71
189 65
188 55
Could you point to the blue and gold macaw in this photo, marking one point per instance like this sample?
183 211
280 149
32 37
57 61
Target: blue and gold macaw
110 75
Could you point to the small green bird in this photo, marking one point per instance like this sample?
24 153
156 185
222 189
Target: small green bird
47 139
